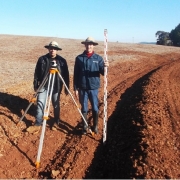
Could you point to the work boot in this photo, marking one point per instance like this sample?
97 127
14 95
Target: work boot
95 122
84 130
33 129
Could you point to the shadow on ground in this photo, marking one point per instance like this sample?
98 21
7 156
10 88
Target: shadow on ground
117 158
16 104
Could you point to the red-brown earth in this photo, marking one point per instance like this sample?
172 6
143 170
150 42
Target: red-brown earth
143 137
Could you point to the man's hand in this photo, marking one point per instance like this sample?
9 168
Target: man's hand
106 63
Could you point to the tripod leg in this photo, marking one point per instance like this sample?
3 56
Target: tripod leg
42 84
34 97
45 117
25 112
76 104
49 96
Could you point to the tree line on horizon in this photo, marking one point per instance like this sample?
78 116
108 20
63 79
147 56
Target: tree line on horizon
169 39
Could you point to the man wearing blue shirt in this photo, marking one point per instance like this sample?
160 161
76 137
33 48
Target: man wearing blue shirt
87 69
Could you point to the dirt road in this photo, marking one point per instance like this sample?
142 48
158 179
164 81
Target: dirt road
143 140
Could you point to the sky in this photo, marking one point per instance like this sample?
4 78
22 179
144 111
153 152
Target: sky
126 21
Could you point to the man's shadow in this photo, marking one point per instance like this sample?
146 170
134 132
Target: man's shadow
63 126
16 104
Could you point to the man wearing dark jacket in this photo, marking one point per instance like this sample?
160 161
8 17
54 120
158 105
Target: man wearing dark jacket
42 68
87 69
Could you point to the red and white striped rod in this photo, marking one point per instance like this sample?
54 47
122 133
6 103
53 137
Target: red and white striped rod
105 88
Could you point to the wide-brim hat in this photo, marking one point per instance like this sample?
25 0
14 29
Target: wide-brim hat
53 44
90 40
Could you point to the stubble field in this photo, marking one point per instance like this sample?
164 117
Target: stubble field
143 137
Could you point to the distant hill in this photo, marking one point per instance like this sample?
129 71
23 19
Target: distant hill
147 43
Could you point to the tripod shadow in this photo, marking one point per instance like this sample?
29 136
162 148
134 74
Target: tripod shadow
15 104
16 146
63 126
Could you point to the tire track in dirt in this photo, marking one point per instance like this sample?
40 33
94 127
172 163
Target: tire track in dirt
65 160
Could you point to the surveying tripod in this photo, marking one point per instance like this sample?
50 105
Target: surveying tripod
51 75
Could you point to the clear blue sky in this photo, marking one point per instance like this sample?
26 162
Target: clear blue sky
126 20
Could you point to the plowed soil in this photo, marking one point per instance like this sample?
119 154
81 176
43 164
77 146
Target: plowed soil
143 137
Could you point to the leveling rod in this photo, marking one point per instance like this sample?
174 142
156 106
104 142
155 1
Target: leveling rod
105 88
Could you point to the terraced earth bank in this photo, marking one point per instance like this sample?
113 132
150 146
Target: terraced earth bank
143 137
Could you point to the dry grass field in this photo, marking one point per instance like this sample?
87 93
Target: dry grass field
143 137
